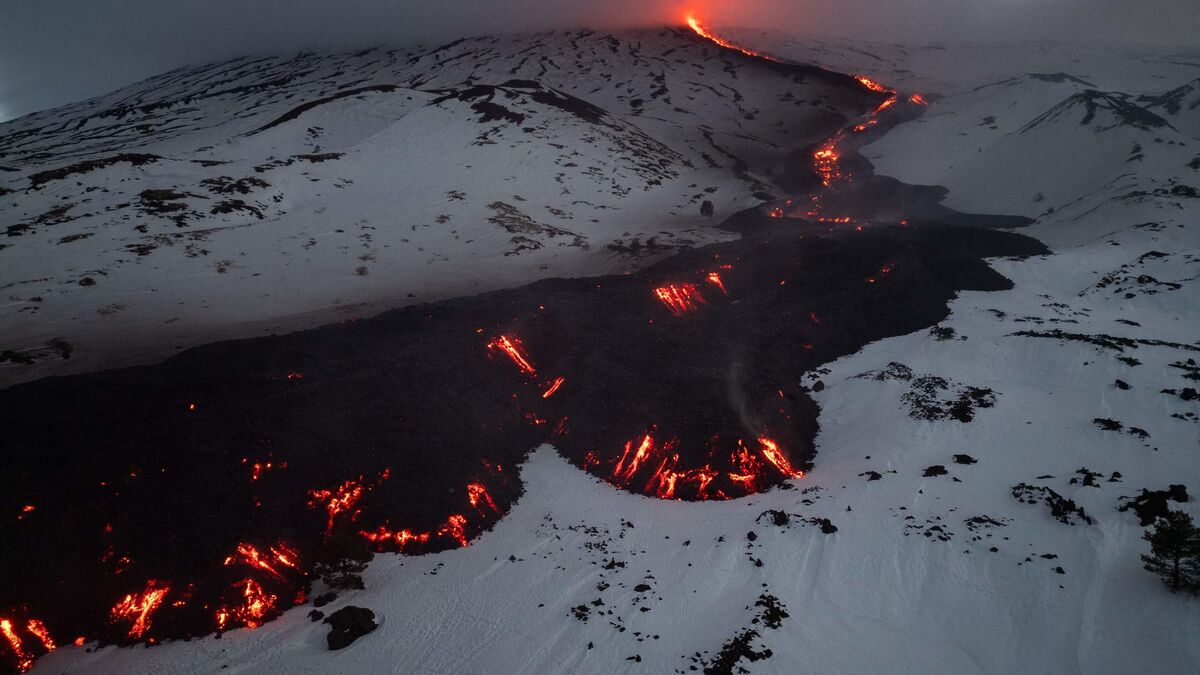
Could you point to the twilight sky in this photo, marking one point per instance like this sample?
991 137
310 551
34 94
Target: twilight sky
58 51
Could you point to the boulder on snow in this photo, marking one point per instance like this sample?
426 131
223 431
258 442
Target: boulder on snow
348 624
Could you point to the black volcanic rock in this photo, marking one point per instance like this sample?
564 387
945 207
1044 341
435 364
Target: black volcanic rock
414 404
348 624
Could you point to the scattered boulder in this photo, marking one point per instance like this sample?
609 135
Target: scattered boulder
935 470
348 624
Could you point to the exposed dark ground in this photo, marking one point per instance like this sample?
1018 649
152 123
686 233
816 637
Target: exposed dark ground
418 392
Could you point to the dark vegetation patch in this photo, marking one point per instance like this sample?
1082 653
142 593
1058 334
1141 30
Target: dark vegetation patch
224 185
785 520
40 178
235 205
927 400
1063 509
1111 342
1152 504
741 646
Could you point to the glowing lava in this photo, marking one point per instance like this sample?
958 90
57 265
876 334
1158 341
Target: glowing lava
705 33
558 381
343 498
775 456
137 608
256 606
478 494
825 162
511 347
455 528
24 659
714 278
680 298
250 556
623 471
40 631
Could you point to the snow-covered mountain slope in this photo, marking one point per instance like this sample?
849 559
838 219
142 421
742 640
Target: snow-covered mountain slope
975 472
1181 106
949 68
192 206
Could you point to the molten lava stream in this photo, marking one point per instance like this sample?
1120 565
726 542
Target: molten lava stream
512 348
705 33
680 298
138 608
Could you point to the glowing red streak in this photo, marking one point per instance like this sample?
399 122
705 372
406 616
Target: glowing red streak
477 493
885 105
680 299
39 630
511 347
248 555
286 556
455 528
342 498
256 605
662 482
871 84
775 456
825 162
703 32
714 278
553 387
401 538
24 658
639 456
138 608
918 99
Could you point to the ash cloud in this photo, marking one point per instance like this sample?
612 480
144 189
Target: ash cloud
53 52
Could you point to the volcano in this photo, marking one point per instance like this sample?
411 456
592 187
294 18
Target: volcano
678 258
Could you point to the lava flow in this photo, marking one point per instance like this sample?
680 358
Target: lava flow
250 556
746 472
511 347
24 659
343 498
705 33
137 608
680 298
257 605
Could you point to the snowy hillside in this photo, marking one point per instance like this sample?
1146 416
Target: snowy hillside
192 206
976 497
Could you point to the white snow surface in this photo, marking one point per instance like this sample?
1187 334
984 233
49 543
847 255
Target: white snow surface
887 592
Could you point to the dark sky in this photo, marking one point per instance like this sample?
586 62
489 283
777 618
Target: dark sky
57 51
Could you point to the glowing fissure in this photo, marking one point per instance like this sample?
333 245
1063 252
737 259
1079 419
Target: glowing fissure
680 298
511 347
343 498
558 381
705 33
138 608
24 659
250 556
746 469
255 607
